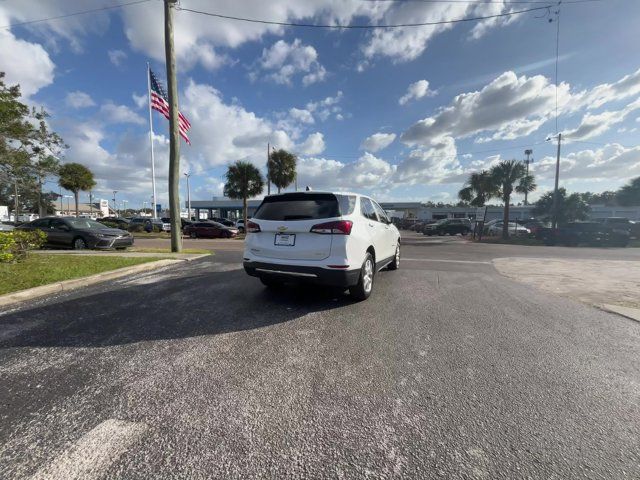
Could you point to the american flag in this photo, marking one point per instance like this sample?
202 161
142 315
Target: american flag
160 103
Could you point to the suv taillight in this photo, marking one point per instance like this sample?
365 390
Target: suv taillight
253 227
341 227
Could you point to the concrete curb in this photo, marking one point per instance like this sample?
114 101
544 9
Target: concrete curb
628 312
76 283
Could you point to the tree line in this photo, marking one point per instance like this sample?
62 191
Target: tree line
30 153
511 175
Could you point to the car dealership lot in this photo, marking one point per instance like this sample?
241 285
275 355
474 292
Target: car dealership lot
448 370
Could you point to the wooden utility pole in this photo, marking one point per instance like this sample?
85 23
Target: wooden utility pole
174 133
556 195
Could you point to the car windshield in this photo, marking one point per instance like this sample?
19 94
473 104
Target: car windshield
84 223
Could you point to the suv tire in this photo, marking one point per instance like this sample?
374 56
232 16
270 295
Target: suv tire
362 290
395 264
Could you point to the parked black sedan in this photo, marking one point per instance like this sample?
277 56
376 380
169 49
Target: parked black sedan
210 230
448 226
573 234
79 233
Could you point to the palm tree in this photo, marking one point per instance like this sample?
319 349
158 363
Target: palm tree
526 185
75 177
281 168
506 174
244 180
629 195
478 189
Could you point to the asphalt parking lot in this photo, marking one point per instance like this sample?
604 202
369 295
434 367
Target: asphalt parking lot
449 370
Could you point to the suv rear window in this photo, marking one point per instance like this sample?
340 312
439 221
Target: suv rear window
304 206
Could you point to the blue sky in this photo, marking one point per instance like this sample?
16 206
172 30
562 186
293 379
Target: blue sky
401 114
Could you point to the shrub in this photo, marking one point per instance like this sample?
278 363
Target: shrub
110 224
14 246
136 228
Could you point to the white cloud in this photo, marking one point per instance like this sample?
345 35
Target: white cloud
282 61
323 109
301 115
195 31
313 145
140 100
116 57
416 91
71 28
435 163
205 55
405 44
239 135
612 161
113 113
25 63
378 141
593 125
366 172
79 99
482 27
626 87
510 106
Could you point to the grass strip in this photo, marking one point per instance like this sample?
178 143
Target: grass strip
43 269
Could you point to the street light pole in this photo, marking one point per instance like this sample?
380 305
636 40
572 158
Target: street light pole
17 202
115 205
528 153
188 196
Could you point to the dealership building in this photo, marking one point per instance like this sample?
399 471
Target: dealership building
227 208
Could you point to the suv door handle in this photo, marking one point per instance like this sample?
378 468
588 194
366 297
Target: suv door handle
371 224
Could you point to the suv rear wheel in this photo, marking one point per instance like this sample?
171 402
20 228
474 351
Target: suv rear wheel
396 260
363 288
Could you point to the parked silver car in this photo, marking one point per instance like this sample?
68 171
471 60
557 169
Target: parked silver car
514 229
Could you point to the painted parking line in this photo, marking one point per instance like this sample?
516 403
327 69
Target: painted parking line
444 261
94 452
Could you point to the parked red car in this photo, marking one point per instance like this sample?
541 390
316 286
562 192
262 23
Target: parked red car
209 230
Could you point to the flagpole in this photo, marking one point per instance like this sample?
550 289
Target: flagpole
153 166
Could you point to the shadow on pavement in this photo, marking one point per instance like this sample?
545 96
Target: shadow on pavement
187 306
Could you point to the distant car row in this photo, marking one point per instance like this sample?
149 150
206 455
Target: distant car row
613 231
214 228
84 233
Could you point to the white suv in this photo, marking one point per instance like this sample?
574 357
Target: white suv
337 239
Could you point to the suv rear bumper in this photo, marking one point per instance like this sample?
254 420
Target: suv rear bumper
319 275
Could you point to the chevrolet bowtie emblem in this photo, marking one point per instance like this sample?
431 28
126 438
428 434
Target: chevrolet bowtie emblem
282 228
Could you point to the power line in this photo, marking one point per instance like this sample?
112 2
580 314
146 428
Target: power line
83 12
366 27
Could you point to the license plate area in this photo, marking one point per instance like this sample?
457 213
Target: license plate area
285 239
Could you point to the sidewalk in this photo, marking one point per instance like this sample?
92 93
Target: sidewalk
612 285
